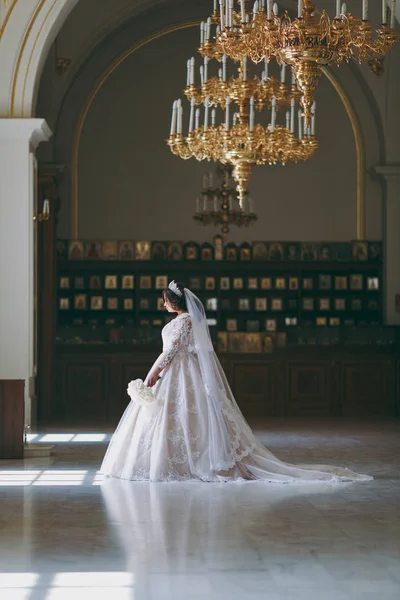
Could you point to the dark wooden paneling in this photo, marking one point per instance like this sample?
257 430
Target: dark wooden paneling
368 387
253 387
92 384
12 413
308 388
86 390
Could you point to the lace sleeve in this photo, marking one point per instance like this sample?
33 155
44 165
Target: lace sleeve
180 337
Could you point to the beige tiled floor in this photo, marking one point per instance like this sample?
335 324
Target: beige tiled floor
66 534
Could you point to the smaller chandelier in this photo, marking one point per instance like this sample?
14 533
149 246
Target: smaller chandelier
307 43
219 204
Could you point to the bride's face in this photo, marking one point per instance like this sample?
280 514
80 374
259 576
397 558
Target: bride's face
169 306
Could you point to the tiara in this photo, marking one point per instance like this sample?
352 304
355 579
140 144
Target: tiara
174 288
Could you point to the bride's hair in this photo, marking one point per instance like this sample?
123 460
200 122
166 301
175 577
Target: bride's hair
176 301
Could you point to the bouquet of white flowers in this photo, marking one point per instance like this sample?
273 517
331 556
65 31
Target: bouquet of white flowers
140 393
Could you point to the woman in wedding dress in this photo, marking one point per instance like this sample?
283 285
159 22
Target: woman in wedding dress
195 429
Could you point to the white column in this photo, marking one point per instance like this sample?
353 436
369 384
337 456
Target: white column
391 241
19 139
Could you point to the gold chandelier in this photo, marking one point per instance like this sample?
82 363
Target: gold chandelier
307 43
219 204
238 140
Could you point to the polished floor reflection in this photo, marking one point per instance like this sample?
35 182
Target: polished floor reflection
65 533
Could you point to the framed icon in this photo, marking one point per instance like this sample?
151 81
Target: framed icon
191 252
260 304
126 250
64 283
356 304
252 326
157 323
324 304
244 304
373 284
96 303
78 322
324 282
80 302
291 321
222 341
79 283
334 321
95 282
266 283
161 282
93 250
160 304
64 303
210 283
110 322
225 283
340 282
158 251
359 250
112 303
280 283
340 304
308 283
206 252
128 303
276 251
111 282
175 251
145 282
260 251
110 250
231 324
321 321
373 305
211 304
293 283
356 282
75 250
252 283
308 303
237 283
245 253
218 247
270 324
252 343
292 251
128 282
143 250
276 304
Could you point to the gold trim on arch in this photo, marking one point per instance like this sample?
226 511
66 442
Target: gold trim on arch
359 151
120 59
21 52
31 55
7 17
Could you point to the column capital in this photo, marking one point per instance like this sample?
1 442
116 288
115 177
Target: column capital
388 171
33 131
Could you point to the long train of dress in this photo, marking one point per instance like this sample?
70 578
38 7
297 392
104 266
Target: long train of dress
173 441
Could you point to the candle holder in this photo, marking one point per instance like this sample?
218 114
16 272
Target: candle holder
45 214
220 206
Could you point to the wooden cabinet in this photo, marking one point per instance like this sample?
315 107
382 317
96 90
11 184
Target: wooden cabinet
12 403
92 381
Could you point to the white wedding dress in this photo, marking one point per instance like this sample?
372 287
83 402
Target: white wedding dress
195 430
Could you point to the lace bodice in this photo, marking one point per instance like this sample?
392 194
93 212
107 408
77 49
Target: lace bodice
177 336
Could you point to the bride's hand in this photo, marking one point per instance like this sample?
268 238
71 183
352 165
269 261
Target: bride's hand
152 379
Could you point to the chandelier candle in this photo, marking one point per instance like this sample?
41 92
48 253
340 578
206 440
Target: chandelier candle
292 109
393 14
299 8
365 10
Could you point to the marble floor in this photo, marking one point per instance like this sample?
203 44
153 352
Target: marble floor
67 534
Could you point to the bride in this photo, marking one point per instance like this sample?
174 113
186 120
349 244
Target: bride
195 430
